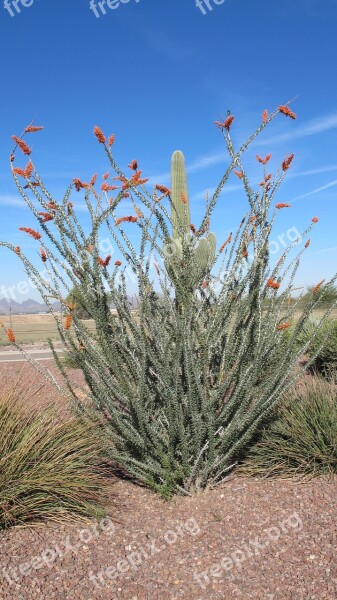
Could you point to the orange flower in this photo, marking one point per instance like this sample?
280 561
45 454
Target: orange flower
163 190
245 251
111 140
93 180
32 129
105 187
136 179
282 205
271 283
17 249
45 217
226 124
307 244
265 116
283 326
52 205
67 322
106 175
315 220
35 234
43 255
79 184
193 229
104 262
128 219
10 335
133 165
118 263
29 169
27 172
263 160
99 134
239 174
22 145
287 162
317 287
18 171
223 246
285 110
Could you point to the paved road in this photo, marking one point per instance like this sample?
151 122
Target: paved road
14 356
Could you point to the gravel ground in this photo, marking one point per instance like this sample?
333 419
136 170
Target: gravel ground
264 540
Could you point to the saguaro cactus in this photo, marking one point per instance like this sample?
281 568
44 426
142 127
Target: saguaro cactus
186 256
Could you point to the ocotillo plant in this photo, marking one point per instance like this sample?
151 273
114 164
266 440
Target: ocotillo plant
183 383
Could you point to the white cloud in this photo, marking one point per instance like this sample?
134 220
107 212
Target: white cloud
312 127
317 190
11 200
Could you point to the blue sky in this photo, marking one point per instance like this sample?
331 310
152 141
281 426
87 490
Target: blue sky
157 73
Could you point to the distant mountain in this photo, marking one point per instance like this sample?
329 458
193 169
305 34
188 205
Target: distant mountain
27 307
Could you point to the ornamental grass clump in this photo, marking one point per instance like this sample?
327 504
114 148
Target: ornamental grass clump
184 382
50 466
302 439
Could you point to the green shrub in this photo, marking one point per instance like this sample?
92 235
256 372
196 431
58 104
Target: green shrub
186 381
302 440
323 351
49 467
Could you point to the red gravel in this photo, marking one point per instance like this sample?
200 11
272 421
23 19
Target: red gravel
263 540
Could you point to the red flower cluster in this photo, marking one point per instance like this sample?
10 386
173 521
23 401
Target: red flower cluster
35 234
225 124
287 162
317 287
27 172
163 190
104 262
93 180
223 246
271 283
22 145
265 116
282 205
285 110
43 255
118 263
32 129
133 165
99 134
128 219
79 184
10 335
45 217
283 326
263 160
105 187
67 322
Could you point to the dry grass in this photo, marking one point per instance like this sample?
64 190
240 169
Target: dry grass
50 464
